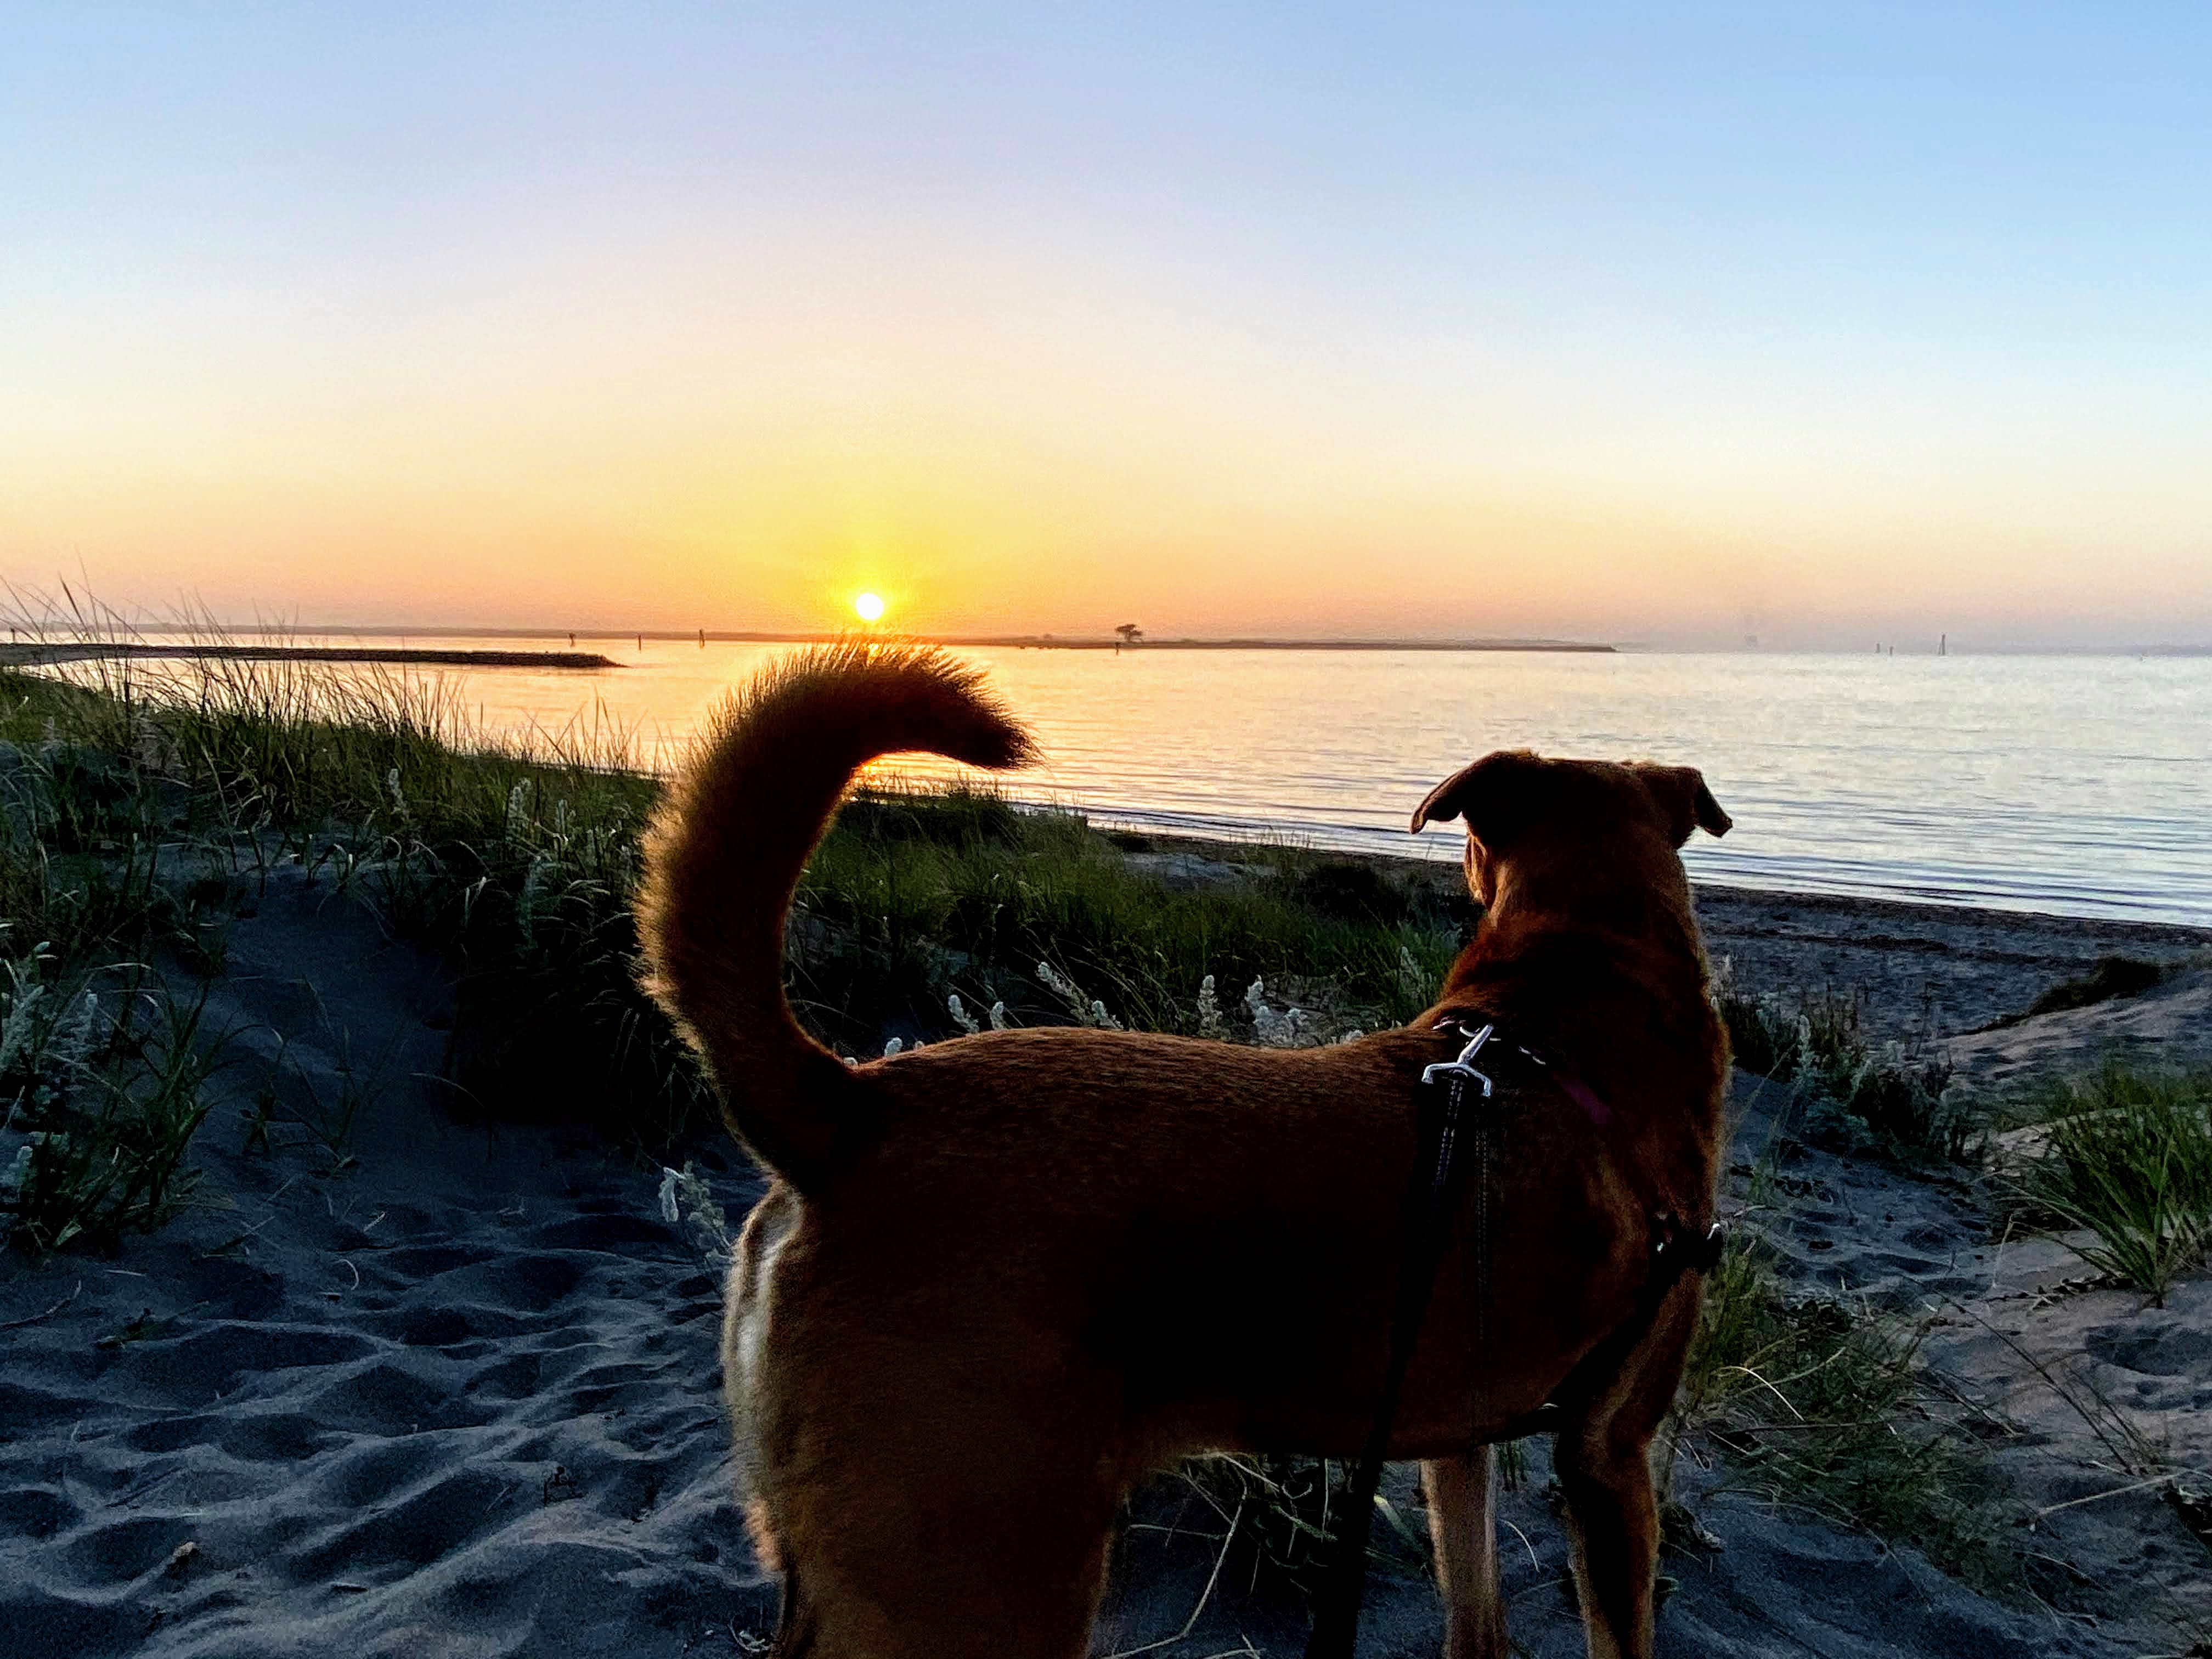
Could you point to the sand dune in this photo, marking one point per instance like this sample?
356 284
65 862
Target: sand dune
461 1398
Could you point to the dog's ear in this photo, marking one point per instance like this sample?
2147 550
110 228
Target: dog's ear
1682 796
1494 795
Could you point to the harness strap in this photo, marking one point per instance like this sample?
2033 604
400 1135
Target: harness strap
1430 1201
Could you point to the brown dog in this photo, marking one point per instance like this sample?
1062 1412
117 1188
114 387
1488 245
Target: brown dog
999 1279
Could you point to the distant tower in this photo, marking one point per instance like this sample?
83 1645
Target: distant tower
1942 645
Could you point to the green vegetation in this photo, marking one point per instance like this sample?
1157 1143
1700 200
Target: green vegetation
2127 1157
519 865
145 802
141 808
102 1062
1852 1095
913 899
1818 1405
107 1092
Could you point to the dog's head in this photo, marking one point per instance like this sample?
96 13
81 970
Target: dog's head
1515 801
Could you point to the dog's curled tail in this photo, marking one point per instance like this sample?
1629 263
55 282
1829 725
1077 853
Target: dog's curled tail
726 848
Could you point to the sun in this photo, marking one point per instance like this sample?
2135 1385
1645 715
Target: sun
869 607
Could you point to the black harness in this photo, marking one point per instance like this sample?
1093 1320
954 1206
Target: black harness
1456 1102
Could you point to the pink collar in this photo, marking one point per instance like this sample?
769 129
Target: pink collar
1580 1092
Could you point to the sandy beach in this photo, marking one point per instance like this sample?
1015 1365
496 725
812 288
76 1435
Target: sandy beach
433 1386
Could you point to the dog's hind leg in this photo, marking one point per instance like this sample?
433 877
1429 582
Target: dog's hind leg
929 1575
1607 1482
1603 1459
924 1514
1462 1493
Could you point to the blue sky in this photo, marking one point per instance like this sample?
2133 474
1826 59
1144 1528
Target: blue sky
1829 324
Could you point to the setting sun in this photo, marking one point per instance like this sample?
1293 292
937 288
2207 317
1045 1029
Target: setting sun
869 606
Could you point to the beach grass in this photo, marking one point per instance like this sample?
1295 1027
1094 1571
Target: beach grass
107 1093
2127 1157
1818 1404
151 797
914 898
1850 1092
103 1059
147 801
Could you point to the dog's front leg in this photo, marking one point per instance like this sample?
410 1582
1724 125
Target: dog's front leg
1462 1495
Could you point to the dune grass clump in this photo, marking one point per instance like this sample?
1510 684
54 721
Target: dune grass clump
166 791
915 898
143 803
103 1075
103 1059
1815 1404
113 914
1851 1093
2127 1157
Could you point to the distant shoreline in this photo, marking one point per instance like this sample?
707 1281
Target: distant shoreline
58 639
31 656
1049 642
1002 642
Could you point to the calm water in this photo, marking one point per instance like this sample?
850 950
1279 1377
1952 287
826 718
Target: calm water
2069 784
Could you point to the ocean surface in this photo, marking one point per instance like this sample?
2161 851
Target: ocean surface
2078 784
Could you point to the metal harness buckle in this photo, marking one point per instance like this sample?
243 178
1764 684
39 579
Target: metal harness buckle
1461 1067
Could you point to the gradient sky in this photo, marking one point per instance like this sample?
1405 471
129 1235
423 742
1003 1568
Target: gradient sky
1828 323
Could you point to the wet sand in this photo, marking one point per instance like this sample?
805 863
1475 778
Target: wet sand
1944 969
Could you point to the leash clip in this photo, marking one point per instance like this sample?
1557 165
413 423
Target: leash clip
1461 1067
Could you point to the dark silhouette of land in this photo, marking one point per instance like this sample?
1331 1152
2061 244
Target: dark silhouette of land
1008 641
1056 642
20 655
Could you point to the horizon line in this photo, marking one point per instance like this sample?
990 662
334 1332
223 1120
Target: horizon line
80 628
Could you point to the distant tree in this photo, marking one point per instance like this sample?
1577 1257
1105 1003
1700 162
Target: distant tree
1130 633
